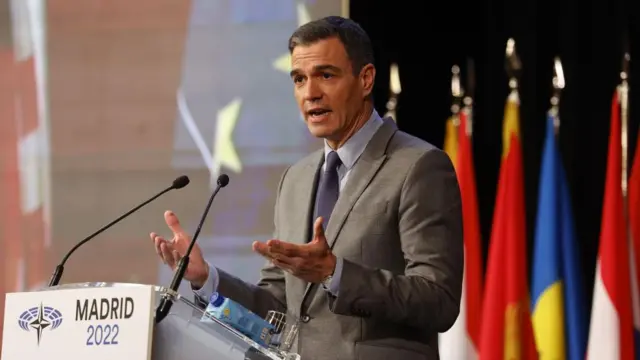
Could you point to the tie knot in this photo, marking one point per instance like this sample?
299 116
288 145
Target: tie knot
333 161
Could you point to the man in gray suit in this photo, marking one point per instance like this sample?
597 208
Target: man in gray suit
376 272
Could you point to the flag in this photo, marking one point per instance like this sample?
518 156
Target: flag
559 310
25 183
611 328
9 225
634 219
451 143
634 198
506 331
461 341
30 151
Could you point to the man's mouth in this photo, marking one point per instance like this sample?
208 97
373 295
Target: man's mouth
317 113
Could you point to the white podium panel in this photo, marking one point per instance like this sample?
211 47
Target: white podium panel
115 321
92 323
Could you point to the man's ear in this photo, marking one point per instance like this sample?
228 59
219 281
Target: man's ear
367 78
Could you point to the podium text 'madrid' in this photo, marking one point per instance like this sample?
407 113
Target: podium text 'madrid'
109 309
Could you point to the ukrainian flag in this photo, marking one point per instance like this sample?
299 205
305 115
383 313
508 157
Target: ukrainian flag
559 313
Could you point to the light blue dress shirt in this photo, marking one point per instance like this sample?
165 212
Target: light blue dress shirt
349 154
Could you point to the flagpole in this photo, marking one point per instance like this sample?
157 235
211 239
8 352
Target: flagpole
468 96
623 89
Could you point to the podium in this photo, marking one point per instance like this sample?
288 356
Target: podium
115 321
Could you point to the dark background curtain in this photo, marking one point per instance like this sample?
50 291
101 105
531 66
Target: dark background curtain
425 40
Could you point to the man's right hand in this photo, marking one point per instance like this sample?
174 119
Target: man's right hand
170 251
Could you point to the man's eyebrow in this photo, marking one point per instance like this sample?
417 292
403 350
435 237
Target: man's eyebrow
318 68
327 67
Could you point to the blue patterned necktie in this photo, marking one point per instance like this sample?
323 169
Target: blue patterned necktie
328 189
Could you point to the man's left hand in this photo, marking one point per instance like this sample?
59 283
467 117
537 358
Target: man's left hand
312 262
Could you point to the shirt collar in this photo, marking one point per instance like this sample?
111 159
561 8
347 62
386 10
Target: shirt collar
354 147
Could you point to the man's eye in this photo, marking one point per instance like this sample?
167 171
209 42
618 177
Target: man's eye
298 79
327 76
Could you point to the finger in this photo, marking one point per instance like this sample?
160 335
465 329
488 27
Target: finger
166 255
284 266
318 229
157 241
295 266
289 261
160 250
176 256
261 248
157 238
173 223
287 249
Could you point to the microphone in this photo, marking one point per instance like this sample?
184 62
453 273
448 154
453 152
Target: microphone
165 303
178 183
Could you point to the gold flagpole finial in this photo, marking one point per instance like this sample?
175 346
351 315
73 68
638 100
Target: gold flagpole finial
456 90
513 64
395 89
558 83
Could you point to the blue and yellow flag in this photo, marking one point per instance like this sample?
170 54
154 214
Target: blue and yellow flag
559 312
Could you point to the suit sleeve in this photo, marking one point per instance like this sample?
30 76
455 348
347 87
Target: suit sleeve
427 295
269 293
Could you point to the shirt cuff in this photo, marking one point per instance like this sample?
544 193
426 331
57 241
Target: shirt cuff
210 286
334 284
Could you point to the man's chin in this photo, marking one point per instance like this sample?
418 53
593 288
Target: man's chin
320 130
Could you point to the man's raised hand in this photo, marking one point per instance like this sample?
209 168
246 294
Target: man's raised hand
170 251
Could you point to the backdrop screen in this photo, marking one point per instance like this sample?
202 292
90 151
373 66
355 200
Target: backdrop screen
236 95
103 103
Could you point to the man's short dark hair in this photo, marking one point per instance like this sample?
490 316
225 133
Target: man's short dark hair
355 40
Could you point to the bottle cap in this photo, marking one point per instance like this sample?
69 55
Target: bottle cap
216 299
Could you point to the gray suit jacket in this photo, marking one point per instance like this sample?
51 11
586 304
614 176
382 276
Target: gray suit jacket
398 226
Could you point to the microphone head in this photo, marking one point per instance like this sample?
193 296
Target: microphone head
180 182
223 180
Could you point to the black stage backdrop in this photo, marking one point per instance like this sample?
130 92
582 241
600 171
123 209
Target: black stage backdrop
426 39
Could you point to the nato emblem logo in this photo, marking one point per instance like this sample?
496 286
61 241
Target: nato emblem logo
39 318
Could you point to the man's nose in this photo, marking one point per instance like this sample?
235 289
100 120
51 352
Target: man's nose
312 91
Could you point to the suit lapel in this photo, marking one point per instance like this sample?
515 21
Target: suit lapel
306 185
360 177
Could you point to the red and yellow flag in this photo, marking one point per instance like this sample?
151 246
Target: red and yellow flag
506 331
634 205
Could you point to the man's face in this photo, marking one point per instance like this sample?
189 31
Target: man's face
330 97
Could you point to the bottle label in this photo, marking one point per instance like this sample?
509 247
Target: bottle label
238 317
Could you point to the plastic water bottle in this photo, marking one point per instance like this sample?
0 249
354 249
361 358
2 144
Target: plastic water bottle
239 318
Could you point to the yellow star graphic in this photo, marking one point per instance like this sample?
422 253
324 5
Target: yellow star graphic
224 150
283 62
